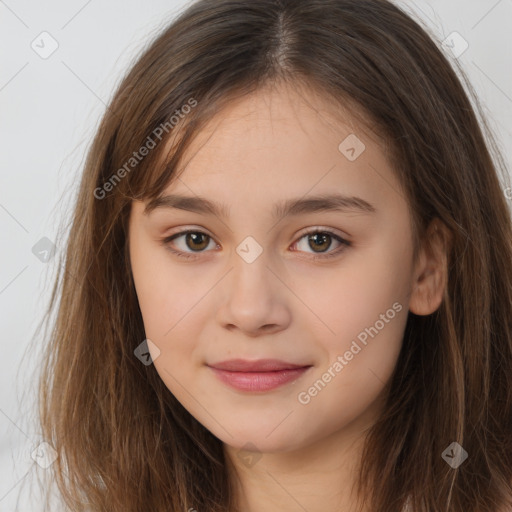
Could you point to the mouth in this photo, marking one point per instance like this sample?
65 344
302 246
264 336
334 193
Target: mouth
259 375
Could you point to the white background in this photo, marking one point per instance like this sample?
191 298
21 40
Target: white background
49 110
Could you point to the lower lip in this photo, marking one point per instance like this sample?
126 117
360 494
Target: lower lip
259 381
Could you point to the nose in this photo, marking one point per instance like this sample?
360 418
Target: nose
253 300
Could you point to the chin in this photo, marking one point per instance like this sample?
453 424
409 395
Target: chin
257 439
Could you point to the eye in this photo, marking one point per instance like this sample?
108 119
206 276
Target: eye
321 241
194 241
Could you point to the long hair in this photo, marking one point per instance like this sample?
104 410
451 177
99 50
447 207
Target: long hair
124 443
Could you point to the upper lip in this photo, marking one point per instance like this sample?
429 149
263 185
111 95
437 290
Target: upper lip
260 365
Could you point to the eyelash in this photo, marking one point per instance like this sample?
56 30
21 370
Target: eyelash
344 243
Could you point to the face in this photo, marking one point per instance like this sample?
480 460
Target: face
306 262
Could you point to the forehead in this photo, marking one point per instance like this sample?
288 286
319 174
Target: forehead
278 130
277 112
280 144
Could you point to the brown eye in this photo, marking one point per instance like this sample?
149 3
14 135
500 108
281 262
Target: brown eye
195 240
320 240
187 243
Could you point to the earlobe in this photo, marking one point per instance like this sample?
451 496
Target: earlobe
431 272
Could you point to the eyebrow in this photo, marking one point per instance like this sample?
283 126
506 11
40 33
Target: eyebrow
289 207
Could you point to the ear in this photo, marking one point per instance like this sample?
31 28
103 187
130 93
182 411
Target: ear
431 273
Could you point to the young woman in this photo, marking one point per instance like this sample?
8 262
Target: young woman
288 280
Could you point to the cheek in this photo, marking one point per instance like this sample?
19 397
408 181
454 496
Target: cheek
369 316
173 303
169 304
349 299
359 360
165 292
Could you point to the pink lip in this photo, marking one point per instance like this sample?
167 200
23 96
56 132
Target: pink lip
261 375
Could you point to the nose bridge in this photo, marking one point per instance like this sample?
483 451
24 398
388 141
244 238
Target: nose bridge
252 300
250 271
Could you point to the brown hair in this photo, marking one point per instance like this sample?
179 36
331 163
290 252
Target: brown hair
124 442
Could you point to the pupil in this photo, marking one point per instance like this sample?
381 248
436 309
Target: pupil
194 237
324 238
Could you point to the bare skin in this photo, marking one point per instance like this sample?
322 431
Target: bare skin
290 448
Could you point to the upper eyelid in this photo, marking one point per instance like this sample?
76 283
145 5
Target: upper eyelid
301 233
